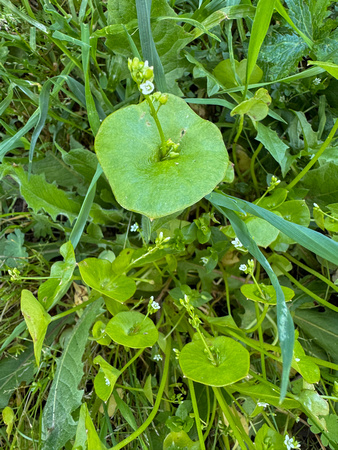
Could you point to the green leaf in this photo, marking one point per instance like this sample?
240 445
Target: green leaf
251 292
52 290
261 231
142 182
105 379
12 249
280 55
266 434
42 195
259 30
300 15
179 441
99 275
37 320
132 329
224 73
86 435
275 146
257 107
322 184
233 365
331 68
321 327
8 418
304 365
58 425
313 402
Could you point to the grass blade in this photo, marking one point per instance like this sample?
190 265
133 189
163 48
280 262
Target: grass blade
284 321
149 51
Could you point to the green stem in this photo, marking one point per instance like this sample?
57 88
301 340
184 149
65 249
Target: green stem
158 124
137 354
234 156
72 310
260 336
211 420
259 321
196 413
211 356
315 158
252 167
313 272
153 413
238 434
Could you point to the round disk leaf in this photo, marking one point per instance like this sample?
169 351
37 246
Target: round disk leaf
234 361
251 292
132 329
127 146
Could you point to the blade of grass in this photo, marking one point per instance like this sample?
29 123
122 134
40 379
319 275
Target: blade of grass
259 29
81 220
143 8
284 321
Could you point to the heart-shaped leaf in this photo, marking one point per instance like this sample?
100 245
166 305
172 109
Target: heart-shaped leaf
132 329
233 362
128 148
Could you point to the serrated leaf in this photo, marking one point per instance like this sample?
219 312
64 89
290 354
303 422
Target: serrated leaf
58 425
12 249
42 195
301 16
37 320
280 54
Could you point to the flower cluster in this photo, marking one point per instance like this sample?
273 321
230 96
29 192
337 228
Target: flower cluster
142 74
153 306
291 443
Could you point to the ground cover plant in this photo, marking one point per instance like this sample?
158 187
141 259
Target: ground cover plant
169 224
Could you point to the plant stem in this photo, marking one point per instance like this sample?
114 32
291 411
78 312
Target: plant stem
153 413
211 356
315 158
261 341
196 413
252 167
158 124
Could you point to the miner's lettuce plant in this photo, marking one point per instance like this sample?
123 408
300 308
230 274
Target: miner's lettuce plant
160 282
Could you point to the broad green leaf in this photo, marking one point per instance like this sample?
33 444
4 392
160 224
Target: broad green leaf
179 441
99 275
269 296
105 379
132 329
42 195
331 68
86 435
266 434
275 146
224 73
326 48
99 333
277 198
142 182
259 30
280 55
322 327
313 402
233 362
58 425
322 184
261 231
300 14
37 320
12 250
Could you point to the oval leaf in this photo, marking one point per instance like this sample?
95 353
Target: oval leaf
132 329
127 146
99 275
234 361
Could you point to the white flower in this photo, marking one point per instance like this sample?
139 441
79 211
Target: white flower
157 358
134 227
316 81
263 404
204 260
291 443
243 267
315 205
297 359
106 381
155 305
147 87
237 243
